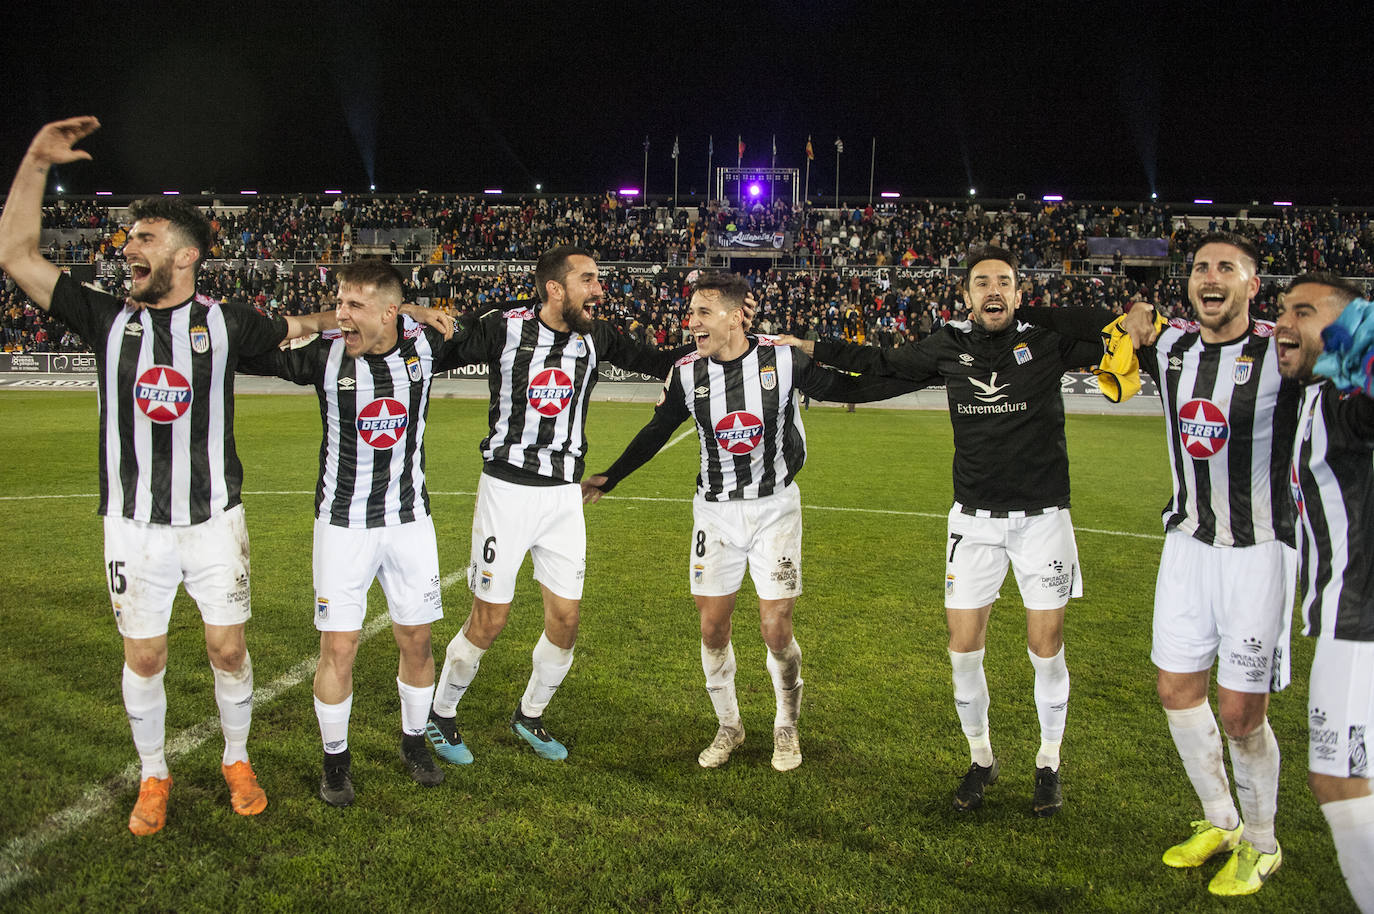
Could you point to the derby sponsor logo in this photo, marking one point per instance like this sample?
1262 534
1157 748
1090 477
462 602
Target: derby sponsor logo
1203 429
739 432
163 394
382 422
550 392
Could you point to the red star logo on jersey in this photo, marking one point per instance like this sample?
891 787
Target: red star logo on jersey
382 422
739 432
550 392
1203 429
163 394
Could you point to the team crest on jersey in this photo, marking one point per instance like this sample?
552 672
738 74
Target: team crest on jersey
200 339
1203 429
1245 366
550 391
768 377
739 432
580 347
1022 353
163 394
382 422
413 368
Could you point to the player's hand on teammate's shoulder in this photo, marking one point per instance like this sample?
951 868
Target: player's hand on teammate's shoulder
434 317
750 307
806 346
53 143
1140 324
591 489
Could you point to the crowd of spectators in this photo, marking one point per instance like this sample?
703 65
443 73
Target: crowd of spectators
275 254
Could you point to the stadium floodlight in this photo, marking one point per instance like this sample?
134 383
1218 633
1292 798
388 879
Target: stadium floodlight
104 193
1053 198
538 187
755 189
248 193
629 191
60 189
1154 196
171 193
1283 202
492 190
1200 200
333 191
372 187
891 194
973 192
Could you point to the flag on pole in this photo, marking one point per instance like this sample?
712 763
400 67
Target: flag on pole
839 145
775 144
810 153
646 143
711 146
741 147
675 147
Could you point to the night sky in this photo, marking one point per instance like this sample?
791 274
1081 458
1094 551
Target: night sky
1096 101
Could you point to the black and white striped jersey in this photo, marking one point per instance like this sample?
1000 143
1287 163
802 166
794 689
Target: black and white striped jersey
1005 405
541 384
1229 458
373 410
166 393
1332 477
747 417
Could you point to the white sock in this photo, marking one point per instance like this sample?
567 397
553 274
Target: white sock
334 724
551 664
1352 830
1255 765
145 703
461 661
1198 741
719 666
414 706
1051 704
785 669
234 695
971 702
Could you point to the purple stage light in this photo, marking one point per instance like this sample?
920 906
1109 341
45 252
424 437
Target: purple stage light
890 193
1053 198
1283 202
629 191
755 190
492 190
170 193
104 193
248 193
333 191
1202 201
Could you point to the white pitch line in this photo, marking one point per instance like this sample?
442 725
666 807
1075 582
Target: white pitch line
99 798
677 501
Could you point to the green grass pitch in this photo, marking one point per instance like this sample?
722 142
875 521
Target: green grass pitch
629 822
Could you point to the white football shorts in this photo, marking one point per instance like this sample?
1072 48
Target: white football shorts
763 533
144 563
511 520
1232 604
1340 708
404 558
1040 549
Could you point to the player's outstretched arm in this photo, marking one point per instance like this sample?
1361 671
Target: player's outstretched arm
433 317
806 346
22 220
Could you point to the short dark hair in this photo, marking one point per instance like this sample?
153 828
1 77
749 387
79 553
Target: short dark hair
372 271
731 286
991 252
553 265
185 218
1345 290
1239 242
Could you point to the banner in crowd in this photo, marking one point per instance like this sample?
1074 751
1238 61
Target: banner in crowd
737 240
920 274
79 363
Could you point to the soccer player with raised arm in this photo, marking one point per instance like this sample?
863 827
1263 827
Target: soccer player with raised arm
1332 477
743 394
1227 570
372 518
1011 499
170 477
